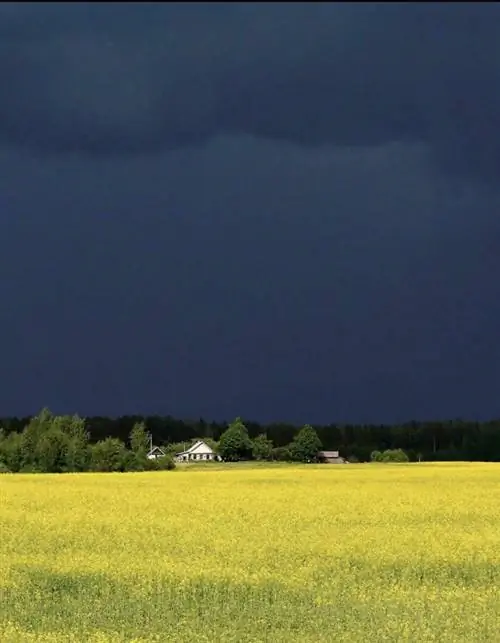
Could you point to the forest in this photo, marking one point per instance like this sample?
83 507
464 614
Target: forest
425 441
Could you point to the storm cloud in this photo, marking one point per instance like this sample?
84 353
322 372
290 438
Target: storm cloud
283 212
103 79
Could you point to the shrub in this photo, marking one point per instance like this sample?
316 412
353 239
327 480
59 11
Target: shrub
395 455
390 455
281 454
4 468
166 463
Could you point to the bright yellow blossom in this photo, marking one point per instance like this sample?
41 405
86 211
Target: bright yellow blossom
277 554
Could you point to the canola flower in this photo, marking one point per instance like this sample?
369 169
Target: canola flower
279 554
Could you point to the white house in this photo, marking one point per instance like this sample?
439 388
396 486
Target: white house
199 451
155 452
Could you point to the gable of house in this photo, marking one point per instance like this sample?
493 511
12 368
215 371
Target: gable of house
200 447
156 452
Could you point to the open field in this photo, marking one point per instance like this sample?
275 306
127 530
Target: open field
278 554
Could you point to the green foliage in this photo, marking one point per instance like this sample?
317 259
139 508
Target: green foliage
390 455
37 427
54 444
305 445
262 447
139 439
175 447
12 451
164 463
281 454
235 443
426 441
77 448
50 450
109 455
139 444
50 443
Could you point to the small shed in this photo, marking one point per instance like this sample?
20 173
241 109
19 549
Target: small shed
331 457
155 452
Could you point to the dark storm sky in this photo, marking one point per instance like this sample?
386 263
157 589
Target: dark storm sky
284 212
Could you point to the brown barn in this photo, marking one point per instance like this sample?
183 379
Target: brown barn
331 457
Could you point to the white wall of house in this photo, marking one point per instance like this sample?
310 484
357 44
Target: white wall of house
198 452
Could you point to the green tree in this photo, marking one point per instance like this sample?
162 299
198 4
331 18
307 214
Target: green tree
235 443
262 447
305 445
51 450
77 450
139 438
109 455
76 455
139 445
37 427
12 451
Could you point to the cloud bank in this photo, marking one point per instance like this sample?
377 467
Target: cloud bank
132 79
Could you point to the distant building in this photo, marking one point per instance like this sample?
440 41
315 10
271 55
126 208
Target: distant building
198 452
331 457
155 452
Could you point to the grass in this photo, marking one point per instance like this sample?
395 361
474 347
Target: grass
248 554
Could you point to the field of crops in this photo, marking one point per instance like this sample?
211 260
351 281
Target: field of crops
278 554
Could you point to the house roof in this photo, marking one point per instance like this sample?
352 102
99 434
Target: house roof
328 454
156 450
195 447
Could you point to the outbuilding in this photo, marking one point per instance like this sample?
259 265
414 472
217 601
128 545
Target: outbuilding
155 452
331 457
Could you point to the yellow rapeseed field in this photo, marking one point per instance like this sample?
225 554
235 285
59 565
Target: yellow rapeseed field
248 554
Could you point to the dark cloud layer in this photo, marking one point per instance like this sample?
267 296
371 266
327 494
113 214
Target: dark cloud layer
249 277
138 78
224 209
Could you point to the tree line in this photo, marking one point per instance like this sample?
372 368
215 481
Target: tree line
103 439
57 444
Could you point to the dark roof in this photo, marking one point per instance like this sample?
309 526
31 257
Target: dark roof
156 450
